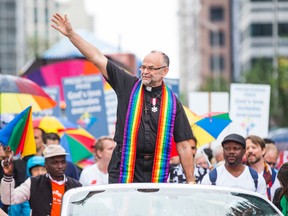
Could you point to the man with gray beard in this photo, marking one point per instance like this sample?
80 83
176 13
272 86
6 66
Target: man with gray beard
149 115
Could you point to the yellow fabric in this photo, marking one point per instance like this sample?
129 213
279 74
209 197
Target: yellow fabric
51 124
15 103
29 143
80 131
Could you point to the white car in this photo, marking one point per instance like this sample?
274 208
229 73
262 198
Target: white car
149 199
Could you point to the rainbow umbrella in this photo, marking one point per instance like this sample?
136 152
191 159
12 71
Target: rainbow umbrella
54 124
78 143
209 127
17 93
192 117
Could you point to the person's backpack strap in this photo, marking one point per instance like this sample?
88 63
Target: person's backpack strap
213 176
254 175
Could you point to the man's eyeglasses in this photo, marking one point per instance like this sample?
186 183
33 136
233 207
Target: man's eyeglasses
150 68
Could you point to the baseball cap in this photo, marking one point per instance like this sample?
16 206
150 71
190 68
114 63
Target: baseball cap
54 150
234 138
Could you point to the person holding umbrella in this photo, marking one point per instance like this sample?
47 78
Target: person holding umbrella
149 115
44 192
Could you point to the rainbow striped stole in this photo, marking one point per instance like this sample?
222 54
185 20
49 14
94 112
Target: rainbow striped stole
164 136
163 139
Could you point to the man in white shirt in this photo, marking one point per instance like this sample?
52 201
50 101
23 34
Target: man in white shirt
98 172
234 173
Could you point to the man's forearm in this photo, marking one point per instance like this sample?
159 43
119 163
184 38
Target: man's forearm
186 160
90 52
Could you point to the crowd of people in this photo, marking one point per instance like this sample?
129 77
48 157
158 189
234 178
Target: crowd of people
151 127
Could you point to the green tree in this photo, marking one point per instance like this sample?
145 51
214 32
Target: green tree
282 86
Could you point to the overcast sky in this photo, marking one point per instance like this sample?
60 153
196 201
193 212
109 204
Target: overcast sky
141 26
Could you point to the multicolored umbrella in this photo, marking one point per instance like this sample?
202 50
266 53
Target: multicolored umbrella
192 117
54 124
17 93
78 143
18 134
207 128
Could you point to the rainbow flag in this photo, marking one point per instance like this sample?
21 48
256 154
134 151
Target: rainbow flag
19 135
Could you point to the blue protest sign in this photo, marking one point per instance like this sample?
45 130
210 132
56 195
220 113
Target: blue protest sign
85 103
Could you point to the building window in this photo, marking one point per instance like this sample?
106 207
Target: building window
264 29
283 29
216 14
217 38
217 63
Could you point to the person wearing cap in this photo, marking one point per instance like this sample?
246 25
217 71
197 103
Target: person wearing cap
43 192
71 169
255 151
234 173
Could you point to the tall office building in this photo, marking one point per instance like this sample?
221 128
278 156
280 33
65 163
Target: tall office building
263 30
205 45
215 28
25 31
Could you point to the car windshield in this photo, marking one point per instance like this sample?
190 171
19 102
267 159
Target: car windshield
143 202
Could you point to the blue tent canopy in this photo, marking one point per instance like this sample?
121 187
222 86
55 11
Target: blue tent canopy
65 49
